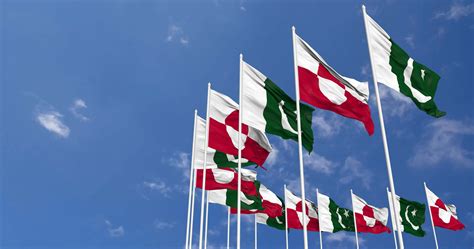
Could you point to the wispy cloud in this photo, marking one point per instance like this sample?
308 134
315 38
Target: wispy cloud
327 124
364 70
442 141
394 103
456 11
343 237
176 34
161 225
147 189
410 40
77 105
52 121
181 161
354 171
319 163
273 157
114 232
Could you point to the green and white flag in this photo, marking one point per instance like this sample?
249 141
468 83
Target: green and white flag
333 218
396 69
228 197
277 222
215 159
268 108
411 215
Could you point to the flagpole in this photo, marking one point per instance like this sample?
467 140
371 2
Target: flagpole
206 143
239 185
191 222
320 233
382 128
256 240
191 182
300 146
392 211
228 227
355 220
286 218
431 217
207 221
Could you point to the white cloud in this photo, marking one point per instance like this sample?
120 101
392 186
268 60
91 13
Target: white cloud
353 170
114 231
442 141
343 237
319 163
327 124
176 33
394 104
273 157
51 121
76 106
181 161
456 11
410 40
364 70
147 188
160 225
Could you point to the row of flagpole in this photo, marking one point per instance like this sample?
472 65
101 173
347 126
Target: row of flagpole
204 201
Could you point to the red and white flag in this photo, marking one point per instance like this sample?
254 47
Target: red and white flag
224 131
444 215
227 178
272 205
321 86
369 219
294 207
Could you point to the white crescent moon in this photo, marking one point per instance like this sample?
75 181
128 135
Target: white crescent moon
408 219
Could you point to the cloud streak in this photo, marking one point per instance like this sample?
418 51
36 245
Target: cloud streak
176 34
456 11
114 232
52 121
76 107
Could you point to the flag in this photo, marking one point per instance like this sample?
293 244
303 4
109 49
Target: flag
321 86
268 108
333 218
277 222
214 158
444 215
228 197
411 215
271 203
397 70
294 209
224 131
369 219
228 179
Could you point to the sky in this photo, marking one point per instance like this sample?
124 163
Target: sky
97 103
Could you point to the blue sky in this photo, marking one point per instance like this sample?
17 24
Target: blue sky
97 101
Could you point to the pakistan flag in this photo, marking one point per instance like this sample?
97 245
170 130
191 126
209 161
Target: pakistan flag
277 222
394 68
333 218
411 215
270 109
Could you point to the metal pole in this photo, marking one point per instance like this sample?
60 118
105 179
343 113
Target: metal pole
191 225
207 221
228 227
286 218
191 182
300 146
382 128
392 211
256 240
320 233
355 220
431 217
204 166
239 184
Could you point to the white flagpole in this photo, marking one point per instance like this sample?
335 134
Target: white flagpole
286 218
191 222
382 128
239 184
228 227
320 233
431 217
207 221
206 143
256 240
355 221
191 182
392 211
300 146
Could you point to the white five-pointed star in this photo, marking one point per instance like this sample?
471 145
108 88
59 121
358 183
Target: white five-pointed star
346 213
413 213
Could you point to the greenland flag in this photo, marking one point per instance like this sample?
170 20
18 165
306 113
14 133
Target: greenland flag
224 131
444 215
294 209
369 219
322 87
228 179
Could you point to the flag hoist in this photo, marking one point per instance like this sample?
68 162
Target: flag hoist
300 146
206 143
382 127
